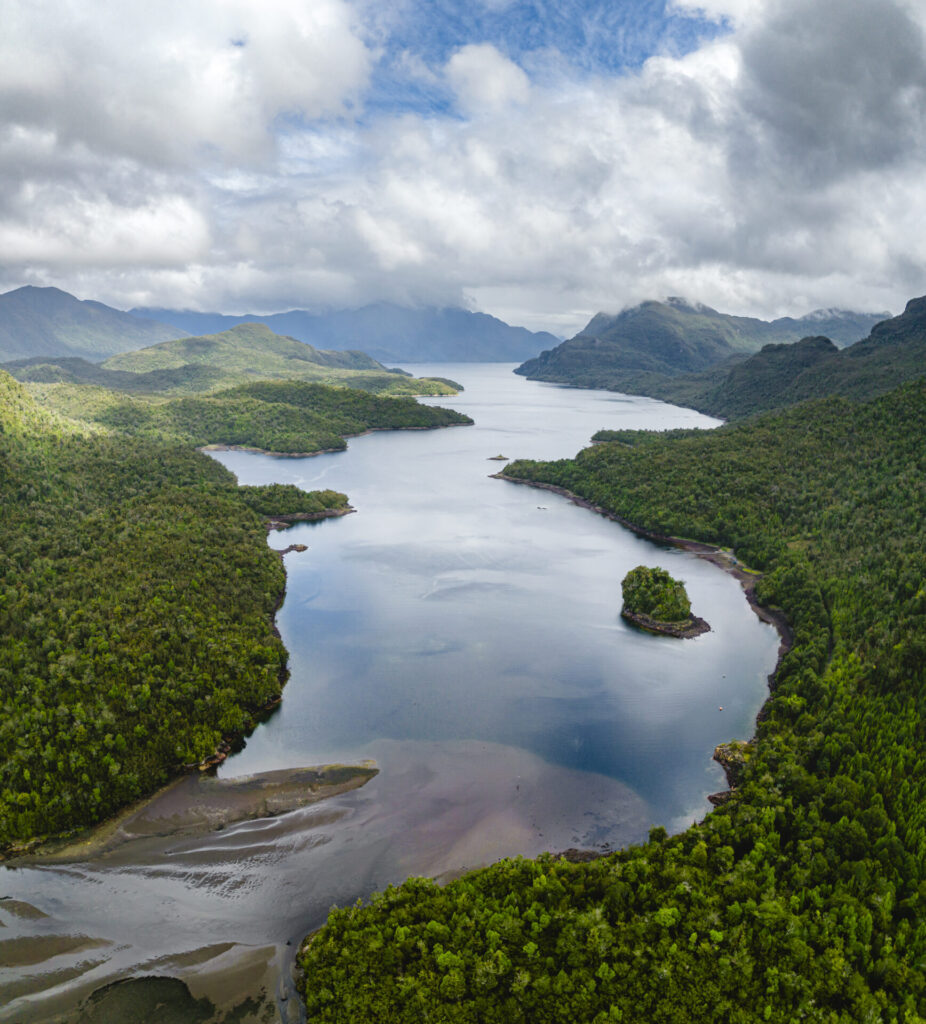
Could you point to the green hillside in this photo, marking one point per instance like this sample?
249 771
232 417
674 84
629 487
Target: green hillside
247 352
643 347
136 586
801 897
246 348
287 417
781 375
50 322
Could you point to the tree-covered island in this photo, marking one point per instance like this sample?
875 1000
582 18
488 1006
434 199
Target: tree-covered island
656 602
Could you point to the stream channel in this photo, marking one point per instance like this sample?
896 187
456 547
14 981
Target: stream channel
463 634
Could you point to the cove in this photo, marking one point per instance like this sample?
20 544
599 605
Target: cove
464 634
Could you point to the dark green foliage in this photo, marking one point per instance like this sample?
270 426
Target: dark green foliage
136 594
802 897
782 375
642 350
289 500
654 593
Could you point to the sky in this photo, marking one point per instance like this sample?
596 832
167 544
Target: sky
534 159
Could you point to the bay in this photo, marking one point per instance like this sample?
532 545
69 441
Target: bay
463 634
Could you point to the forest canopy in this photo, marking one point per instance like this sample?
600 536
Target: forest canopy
800 898
652 592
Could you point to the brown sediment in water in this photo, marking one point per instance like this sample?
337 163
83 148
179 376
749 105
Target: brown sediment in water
200 803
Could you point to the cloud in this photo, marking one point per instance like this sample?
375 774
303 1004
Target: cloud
485 81
173 82
776 167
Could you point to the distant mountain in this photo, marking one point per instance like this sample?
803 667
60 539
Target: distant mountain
637 348
781 375
50 322
392 334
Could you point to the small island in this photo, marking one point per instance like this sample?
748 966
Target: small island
656 602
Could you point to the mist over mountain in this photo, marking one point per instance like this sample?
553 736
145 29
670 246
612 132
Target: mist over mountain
678 337
50 322
385 331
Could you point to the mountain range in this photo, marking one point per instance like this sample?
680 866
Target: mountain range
50 322
636 348
389 333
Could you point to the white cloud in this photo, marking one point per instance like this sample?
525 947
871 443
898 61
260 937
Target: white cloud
485 81
777 168
175 82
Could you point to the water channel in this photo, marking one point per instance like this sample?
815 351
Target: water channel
460 632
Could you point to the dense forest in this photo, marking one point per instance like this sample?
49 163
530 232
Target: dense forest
277 416
136 586
801 897
650 591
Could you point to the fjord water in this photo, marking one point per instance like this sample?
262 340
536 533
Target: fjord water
463 633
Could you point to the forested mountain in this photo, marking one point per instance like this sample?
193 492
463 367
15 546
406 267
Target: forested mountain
50 322
780 375
801 897
655 340
242 354
392 334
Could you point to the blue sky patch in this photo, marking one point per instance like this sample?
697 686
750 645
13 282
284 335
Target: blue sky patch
587 37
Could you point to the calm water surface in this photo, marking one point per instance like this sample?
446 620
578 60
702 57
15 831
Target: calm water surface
464 634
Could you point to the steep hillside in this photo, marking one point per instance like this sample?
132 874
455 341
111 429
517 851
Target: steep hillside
388 332
50 322
640 347
781 375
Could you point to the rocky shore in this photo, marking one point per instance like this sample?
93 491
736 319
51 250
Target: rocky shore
695 626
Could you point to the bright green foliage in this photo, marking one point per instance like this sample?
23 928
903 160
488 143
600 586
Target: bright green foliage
274 416
802 897
288 500
136 595
654 593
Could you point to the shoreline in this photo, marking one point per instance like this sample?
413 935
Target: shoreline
696 626
283 521
319 451
724 560
720 557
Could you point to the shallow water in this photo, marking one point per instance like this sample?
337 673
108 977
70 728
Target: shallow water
461 632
